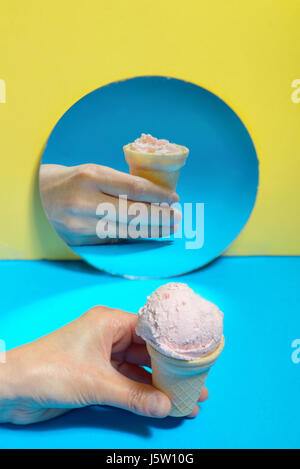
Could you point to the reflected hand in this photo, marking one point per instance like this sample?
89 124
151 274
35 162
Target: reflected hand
71 196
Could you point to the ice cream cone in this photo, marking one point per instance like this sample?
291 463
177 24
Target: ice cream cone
163 169
181 380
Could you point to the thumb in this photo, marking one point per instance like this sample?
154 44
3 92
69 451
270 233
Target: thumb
142 399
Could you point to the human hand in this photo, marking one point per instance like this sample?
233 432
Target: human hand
96 359
71 196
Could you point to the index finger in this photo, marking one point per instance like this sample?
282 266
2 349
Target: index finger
136 188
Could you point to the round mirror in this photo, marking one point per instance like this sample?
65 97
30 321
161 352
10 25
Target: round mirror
149 177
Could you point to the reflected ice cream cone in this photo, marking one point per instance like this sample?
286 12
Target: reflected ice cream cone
157 160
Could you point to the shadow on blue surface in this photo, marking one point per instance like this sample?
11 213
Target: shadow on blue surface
136 246
104 418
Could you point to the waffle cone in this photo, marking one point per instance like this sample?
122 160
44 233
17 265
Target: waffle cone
181 380
163 169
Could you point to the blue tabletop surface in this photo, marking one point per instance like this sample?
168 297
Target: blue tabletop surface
254 387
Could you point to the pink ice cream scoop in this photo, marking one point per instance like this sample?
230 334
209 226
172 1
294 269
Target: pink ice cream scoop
179 323
148 144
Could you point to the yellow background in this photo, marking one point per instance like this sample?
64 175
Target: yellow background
52 53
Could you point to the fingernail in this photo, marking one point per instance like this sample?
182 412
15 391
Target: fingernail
194 413
159 405
173 197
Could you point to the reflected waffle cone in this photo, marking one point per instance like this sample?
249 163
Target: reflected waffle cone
163 169
181 380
